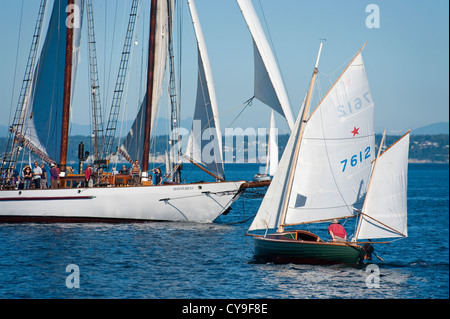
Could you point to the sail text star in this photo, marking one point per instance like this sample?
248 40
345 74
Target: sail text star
355 131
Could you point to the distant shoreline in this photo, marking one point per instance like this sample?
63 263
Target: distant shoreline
416 161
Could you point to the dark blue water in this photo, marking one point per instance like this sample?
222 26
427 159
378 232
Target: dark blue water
181 260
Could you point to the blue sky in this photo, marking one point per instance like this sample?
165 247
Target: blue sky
407 57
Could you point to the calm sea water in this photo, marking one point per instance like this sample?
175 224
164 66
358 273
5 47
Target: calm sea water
214 261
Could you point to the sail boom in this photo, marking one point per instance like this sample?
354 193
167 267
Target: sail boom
204 169
382 224
318 221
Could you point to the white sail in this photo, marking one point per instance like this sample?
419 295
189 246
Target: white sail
268 87
205 140
273 147
334 162
133 143
385 207
42 127
269 213
337 149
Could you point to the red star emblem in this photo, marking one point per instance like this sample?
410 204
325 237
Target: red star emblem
355 131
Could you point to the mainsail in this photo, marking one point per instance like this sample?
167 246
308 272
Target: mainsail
205 140
43 120
385 208
268 84
132 146
334 161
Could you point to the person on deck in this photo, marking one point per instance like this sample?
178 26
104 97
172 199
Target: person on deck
89 176
27 176
158 176
337 231
43 176
37 174
124 170
136 174
54 176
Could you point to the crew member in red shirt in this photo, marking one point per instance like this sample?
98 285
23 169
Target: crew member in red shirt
337 231
88 176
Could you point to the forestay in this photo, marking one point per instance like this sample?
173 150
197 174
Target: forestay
385 207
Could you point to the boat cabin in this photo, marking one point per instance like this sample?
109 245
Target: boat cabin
301 235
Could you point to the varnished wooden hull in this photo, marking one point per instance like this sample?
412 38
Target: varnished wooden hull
282 249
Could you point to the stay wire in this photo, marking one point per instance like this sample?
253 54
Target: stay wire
247 103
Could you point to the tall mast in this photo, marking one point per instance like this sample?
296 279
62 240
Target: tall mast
97 122
67 90
175 109
148 104
298 142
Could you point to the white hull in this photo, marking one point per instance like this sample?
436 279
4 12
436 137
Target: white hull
202 203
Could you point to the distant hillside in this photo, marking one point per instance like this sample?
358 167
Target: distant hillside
84 130
423 148
432 129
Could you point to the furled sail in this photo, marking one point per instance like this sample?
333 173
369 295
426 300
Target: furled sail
385 207
268 87
334 162
132 147
205 140
42 133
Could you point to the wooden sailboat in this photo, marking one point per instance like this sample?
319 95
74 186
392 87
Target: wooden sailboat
46 133
326 173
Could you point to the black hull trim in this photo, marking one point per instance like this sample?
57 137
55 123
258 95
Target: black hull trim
70 220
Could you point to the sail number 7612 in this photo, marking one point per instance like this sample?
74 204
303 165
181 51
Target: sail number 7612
358 103
355 159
